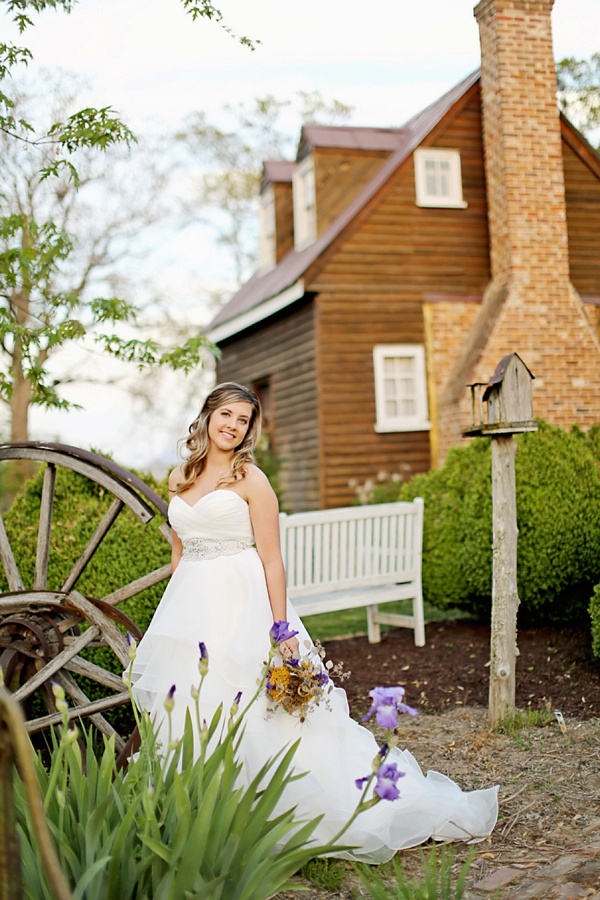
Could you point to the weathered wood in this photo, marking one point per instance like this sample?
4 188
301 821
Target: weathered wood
80 666
79 712
139 585
56 663
83 703
110 633
94 542
505 599
11 570
44 529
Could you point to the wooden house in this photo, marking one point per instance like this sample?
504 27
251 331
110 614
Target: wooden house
399 265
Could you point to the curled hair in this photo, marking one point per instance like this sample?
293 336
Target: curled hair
198 442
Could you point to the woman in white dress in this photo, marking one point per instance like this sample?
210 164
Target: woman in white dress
227 589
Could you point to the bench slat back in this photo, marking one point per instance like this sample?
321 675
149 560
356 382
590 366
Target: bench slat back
352 546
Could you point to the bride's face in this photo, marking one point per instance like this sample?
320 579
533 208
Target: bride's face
228 425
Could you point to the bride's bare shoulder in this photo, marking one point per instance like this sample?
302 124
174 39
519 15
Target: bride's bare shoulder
256 479
175 478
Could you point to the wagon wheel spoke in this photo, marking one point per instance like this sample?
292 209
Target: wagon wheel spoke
93 544
137 586
86 707
45 527
80 666
111 634
95 706
75 692
13 576
58 662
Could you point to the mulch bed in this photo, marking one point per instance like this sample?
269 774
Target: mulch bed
555 668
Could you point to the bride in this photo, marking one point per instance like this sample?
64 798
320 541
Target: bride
227 589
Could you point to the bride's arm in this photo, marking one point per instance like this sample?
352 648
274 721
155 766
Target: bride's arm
264 513
177 547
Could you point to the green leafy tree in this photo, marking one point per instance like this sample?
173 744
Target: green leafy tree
231 158
44 305
579 91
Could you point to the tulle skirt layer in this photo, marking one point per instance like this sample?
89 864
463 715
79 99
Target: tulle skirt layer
224 603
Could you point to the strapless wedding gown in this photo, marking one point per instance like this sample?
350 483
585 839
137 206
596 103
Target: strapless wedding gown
223 602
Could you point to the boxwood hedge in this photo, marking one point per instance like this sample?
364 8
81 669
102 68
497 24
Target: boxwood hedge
558 516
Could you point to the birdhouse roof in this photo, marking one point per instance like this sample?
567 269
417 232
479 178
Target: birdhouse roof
500 372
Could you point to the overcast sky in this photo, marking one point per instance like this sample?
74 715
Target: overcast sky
147 59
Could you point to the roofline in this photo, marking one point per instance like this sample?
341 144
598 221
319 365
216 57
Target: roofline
270 306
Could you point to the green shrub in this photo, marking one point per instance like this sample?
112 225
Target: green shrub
558 516
595 617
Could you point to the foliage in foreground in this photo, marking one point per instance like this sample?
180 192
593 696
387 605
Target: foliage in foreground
181 828
558 516
436 885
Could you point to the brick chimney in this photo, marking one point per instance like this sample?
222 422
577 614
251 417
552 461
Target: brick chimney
530 305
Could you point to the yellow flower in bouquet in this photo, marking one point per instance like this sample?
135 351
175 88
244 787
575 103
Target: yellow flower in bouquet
298 685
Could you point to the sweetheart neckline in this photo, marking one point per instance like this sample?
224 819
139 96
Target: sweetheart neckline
208 494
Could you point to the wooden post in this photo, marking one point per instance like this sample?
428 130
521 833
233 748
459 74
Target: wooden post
505 599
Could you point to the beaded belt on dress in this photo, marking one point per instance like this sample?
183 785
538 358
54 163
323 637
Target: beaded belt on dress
207 548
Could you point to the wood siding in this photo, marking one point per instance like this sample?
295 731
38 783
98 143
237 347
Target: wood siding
339 176
371 291
283 352
284 219
582 188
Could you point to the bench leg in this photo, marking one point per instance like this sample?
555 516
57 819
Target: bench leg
419 620
372 625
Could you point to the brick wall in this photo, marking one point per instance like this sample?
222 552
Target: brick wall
530 305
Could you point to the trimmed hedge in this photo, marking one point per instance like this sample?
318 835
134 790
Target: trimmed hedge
595 617
558 515
130 550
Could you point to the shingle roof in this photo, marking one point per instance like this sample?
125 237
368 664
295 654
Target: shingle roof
277 170
350 137
260 289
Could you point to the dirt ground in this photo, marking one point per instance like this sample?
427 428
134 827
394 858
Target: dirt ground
548 835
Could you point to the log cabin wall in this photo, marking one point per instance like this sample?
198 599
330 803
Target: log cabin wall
371 291
282 352
582 190
339 176
284 219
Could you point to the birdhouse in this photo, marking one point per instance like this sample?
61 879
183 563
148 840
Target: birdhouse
504 404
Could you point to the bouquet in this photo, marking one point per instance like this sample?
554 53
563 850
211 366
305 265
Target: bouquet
299 684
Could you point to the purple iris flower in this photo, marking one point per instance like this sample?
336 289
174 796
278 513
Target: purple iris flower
236 703
203 663
322 678
386 776
169 701
280 631
387 704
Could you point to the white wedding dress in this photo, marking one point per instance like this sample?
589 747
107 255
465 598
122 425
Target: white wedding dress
223 602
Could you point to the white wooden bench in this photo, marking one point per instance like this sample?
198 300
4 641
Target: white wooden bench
357 556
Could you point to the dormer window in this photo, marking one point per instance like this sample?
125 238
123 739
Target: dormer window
438 178
266 250
305 207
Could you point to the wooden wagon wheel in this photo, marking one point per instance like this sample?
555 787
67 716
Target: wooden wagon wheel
42 631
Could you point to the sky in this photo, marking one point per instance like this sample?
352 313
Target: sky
154 65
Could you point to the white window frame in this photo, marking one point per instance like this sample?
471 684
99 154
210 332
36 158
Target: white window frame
305 204
425 195
385 421
267 256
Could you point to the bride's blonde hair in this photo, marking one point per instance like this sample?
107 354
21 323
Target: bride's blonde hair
198 443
